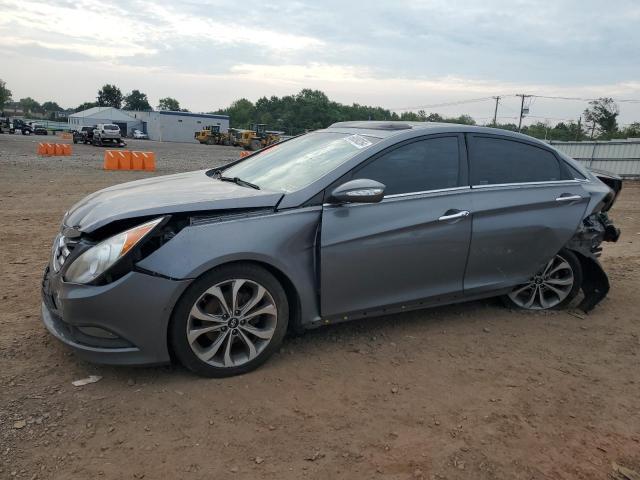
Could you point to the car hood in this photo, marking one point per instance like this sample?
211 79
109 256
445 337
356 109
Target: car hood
184 192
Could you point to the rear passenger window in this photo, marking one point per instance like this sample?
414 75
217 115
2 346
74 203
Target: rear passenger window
495 161
574 172
430 164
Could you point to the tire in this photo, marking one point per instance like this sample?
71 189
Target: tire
228 333
549 289
255 145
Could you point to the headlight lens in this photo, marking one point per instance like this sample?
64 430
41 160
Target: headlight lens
95 261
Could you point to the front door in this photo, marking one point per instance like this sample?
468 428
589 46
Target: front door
412 246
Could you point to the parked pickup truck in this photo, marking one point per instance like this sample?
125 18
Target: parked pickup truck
39 129
84 135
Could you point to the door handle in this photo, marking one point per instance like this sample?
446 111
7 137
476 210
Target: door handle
453 216
568 198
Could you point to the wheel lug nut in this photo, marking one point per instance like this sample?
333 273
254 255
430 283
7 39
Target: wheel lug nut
225 316
224 329
237 312
234 331
243 321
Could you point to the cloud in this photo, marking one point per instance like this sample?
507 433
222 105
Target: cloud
396 53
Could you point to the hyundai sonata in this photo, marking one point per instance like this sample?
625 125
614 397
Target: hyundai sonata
360 219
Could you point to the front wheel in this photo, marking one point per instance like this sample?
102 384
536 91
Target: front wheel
553 287
230 321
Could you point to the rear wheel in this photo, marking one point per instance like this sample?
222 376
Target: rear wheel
553 287
229 321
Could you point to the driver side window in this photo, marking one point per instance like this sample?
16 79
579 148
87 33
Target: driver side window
429 164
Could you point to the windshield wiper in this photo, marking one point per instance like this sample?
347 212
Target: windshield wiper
238 181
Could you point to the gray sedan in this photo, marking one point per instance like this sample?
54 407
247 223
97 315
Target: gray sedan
361 219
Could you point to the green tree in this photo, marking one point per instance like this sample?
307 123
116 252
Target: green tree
85 106
631 131
137 100
110 96
169 104
602 114
51 106
5 94
241 112
29 105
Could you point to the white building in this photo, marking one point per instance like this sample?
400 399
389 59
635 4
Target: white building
177 126
162 125
96 115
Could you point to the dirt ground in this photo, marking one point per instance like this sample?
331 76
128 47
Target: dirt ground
471 391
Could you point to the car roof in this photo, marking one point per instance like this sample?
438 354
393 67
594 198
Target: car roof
385 129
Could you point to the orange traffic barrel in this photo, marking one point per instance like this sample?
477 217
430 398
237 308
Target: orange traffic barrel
124 159
137 161
149 161
66 149
110 160
58 149
50 149
42 149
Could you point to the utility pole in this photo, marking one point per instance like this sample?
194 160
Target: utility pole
495 112
522 96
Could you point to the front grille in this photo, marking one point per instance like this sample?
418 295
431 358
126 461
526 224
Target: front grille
62 248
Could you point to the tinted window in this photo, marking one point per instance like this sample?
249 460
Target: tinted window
504 161
423 165
574 172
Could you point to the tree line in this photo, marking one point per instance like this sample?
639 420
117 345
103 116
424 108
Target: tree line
312 109
108 96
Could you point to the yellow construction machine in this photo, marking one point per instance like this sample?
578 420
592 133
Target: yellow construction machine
255 138
211 135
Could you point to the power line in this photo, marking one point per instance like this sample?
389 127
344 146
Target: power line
446 104
580 99
484 99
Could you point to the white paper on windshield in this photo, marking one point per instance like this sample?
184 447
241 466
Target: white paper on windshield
358 141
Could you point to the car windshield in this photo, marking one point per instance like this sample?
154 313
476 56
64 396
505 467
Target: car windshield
294 164
111 127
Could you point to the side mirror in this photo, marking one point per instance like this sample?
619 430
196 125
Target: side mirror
361 190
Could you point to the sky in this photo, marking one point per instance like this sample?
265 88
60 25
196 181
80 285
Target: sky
396 54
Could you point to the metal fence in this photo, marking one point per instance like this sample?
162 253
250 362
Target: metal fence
49 124
621 157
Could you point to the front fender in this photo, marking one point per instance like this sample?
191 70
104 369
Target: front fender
284 240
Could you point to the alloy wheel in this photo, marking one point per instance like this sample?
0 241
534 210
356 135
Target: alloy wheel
547 288
231 323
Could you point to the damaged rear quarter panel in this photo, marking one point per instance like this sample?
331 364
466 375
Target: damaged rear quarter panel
283 240
595 228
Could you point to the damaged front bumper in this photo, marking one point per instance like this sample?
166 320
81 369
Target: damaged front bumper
124 322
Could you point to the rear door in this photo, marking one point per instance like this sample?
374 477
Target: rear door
413 245
526 206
